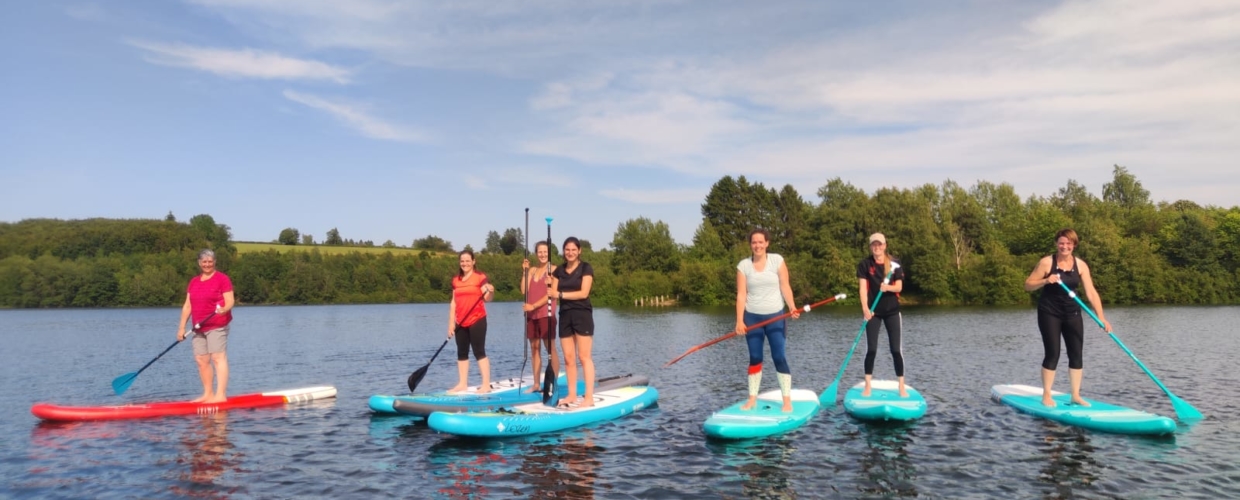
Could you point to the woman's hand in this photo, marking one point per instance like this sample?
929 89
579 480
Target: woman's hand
867 314
525 264
740 327
1053 278
796 313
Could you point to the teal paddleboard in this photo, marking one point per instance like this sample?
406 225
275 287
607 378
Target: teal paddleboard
765 419
503 392
537 418
884 402
1098 416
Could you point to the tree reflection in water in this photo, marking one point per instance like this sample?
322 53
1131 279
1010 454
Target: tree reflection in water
554 466
563 468
1071 465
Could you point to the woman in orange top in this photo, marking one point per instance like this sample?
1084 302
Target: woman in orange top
467 321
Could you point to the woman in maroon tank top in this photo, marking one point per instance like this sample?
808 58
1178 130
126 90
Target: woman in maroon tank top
539 319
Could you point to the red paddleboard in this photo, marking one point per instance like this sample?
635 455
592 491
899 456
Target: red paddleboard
47 411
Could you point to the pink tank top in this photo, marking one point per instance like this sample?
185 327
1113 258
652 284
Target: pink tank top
538 290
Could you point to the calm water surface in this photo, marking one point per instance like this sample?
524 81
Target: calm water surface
967 446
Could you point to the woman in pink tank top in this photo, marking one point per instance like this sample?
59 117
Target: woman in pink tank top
539 318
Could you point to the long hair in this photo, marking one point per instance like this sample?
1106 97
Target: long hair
571 239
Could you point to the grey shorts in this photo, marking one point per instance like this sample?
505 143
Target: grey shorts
211 341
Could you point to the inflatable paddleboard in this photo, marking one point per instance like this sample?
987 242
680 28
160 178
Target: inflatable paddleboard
765 419
507 391
1099 416
610 402
884 402
47 411
424 405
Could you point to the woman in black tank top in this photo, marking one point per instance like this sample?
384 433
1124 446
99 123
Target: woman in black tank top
1060 315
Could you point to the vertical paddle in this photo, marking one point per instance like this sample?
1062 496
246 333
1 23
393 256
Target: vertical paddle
1185 411
834 388
525 273
121 384
416 377
752 327
549 376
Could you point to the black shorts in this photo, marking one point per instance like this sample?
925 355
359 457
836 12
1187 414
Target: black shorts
576 322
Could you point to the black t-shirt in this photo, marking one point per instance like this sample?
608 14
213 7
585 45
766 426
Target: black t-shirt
873 272
571 282
1054 299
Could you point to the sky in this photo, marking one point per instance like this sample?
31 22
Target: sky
394 120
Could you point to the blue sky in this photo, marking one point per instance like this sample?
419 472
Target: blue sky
399 119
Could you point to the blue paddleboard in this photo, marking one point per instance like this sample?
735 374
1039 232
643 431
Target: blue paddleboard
765 419
503 392
536 418
884 402
1098 416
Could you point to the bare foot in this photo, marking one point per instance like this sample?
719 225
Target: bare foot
588 402
533 389
1077 400
753 401
903 393
1048 402
201 398
216 399
571 399
865 393
457 388
483 389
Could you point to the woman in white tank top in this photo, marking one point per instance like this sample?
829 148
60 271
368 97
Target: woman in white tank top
762 289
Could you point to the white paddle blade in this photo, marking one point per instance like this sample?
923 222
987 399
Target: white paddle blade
841 296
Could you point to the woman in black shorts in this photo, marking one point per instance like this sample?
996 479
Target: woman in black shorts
571 286
1059 314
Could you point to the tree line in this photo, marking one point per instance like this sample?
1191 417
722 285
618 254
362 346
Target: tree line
959 245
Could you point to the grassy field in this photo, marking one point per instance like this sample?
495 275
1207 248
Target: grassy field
247 247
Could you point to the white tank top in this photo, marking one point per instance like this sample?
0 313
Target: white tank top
762 295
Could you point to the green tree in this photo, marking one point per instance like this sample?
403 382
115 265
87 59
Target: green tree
433 243
642 245
510 241
333 238
307 239
289 236
492 243
706 242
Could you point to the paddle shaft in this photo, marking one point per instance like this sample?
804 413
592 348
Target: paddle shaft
415 378
174 344
121 384
835 383
1183 409
752 327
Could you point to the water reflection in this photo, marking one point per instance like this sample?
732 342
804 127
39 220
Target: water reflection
207 455
562 468
1070 461
762 464
885 465
466 468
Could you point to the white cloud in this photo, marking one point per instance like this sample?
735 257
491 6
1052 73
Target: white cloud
655 196
243 63
357 118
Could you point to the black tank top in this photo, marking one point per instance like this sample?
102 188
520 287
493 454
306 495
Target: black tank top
1054 299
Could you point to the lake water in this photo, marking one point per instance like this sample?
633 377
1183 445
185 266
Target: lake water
967 446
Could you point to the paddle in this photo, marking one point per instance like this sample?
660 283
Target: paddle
760 324
834 388
416 377
525 274
121 384
549 376
1185 411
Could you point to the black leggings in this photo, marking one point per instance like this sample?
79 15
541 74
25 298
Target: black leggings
893 338
475 336
1073 330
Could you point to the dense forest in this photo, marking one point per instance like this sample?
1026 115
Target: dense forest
959 245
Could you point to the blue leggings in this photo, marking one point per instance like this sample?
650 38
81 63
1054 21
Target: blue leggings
773 332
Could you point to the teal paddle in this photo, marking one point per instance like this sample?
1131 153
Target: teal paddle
121 384
834 388
1185 411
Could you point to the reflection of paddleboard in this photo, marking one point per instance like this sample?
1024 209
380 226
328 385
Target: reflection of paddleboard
47 411
765 419
884 402
503 392
533 418
1100 416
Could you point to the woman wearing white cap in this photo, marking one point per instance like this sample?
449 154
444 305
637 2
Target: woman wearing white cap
875 274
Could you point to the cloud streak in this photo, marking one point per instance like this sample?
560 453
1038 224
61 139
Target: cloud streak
243 63
357 118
